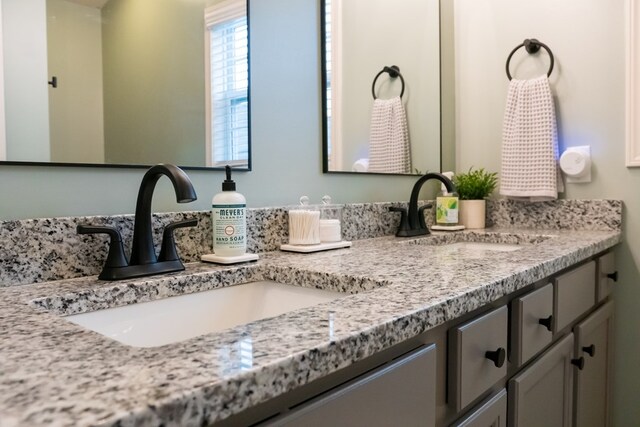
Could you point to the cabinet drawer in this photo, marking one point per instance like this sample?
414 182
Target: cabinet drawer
607 275
492 412
575 293
402 392
477 356
531 327
542 394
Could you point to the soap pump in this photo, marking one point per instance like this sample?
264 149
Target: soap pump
228 214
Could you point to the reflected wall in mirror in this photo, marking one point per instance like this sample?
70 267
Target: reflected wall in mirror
367 126
126 82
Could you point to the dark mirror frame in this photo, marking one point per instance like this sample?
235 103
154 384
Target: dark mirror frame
323 72
140 166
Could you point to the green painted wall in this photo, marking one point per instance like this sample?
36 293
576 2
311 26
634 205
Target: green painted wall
286 140
154 87
589 85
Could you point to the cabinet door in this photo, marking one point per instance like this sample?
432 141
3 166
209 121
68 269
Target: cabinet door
542 394
401 393
593 338
492 413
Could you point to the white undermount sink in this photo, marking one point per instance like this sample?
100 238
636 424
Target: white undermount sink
175 319
482 246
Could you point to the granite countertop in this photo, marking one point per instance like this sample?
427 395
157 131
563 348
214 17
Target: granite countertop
53 371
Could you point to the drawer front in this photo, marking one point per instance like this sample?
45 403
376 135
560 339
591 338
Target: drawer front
402 392
492 413
607 275
477 356
575 293
532 324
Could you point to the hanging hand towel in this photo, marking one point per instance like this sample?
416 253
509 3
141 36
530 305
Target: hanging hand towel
389 150
530 143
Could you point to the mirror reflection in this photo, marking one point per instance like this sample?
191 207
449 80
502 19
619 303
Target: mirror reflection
127 82
381 75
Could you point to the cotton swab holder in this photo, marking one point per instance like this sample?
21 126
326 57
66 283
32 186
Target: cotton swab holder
330 221
304 224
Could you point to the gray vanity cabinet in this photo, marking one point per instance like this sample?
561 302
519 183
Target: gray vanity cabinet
492 413
593 343
542 394
400 393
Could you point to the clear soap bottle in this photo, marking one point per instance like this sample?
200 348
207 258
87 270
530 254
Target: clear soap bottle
447 205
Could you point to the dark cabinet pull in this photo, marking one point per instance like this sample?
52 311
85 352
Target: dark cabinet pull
579 362
613 276
498 357
546 322
590 350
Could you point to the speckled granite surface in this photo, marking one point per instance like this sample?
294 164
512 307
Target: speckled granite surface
54 372
39 250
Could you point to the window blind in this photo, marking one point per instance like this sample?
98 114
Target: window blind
229 83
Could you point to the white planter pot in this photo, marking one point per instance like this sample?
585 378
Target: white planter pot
472 213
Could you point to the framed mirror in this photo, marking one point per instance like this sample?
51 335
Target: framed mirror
381 86
126 83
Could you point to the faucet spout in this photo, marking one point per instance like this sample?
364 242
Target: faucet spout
412 224
142 250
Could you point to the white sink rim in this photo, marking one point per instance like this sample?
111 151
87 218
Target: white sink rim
178 318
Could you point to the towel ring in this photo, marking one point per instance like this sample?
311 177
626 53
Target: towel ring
532 46
394 72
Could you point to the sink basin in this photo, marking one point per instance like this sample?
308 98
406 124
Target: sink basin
480 241
481 246
175 319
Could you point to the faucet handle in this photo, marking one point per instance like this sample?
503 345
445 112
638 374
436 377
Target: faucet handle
421 219
115 258
168 250
404 222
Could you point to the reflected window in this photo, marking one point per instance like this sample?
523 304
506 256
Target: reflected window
227 84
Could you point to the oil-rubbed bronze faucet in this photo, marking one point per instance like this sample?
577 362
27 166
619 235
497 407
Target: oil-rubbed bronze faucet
413 223
143 261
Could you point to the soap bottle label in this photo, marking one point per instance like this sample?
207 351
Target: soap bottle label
229 226
447 210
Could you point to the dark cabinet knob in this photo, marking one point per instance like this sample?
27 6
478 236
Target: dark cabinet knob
546 322
498 357
590 350
579 362
613 276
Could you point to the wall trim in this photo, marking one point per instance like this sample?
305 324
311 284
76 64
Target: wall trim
632 123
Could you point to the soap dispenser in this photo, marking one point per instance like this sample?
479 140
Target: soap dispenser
447 206
228 214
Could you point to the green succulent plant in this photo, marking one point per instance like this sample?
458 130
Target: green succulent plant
475 184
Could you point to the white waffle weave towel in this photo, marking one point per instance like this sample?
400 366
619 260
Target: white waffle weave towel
389 149
530 143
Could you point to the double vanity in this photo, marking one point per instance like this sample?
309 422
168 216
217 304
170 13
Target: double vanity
509 323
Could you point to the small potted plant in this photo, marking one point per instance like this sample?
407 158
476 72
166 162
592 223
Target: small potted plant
473 187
